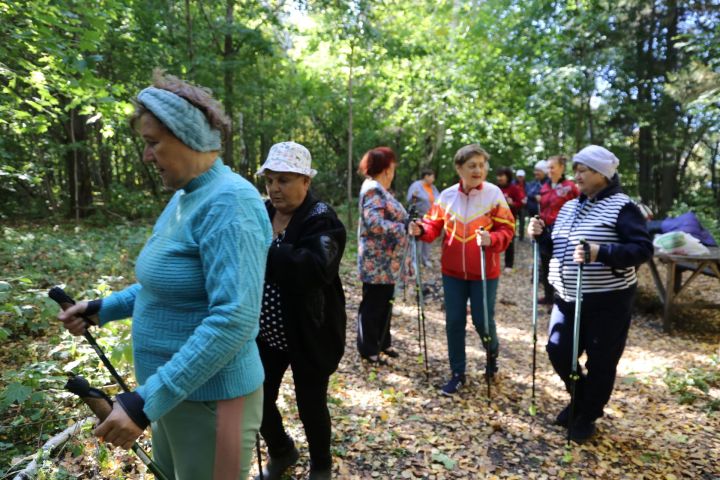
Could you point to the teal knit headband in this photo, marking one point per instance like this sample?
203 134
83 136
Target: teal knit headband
183 119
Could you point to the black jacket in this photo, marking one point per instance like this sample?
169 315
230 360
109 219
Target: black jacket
305 267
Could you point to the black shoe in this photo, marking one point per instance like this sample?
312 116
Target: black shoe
563 417
582 430
276 466
391 352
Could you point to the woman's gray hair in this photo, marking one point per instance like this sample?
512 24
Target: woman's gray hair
468 151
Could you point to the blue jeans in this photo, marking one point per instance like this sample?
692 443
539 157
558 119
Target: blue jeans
457 291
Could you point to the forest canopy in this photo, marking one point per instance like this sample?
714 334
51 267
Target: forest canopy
526 79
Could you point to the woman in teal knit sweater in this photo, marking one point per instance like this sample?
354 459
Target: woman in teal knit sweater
196 303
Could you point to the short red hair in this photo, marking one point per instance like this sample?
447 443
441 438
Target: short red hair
376 161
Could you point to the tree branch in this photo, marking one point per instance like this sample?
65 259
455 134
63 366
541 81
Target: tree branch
30 471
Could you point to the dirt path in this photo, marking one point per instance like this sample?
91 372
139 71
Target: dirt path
391 423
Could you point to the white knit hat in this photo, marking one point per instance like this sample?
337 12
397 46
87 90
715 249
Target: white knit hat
288 157
599 159
542 166
520 173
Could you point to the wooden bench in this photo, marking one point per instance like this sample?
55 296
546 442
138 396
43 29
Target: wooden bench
674 285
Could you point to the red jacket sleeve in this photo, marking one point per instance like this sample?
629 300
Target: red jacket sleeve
433 223
503 227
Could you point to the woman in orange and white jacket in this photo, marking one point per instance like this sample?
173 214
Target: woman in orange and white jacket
471 213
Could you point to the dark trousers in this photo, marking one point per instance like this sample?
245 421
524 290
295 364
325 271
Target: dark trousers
510 254
311 398
373 330
548 289
520 223
604 325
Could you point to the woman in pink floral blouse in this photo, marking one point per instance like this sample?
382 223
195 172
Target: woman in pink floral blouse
382 241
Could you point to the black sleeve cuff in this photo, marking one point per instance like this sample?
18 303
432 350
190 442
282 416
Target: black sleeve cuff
93 307
133 405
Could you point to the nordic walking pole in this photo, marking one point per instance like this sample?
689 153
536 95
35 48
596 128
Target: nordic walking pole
95 399
574 377
422 338
536 259
402 270
412 213
486 339
65 302
261 474
101 405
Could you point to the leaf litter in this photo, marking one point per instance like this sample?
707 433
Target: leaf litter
390 422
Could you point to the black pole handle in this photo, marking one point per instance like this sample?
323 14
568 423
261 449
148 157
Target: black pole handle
412 215
586 249
65 301
101 405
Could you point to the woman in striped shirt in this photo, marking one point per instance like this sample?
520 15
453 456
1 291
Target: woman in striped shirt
615 230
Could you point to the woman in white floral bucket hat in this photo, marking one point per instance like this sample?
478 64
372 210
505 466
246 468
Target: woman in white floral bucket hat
288 157
302 322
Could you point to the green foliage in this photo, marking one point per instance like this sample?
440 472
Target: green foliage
525 79
131 204
91 262
446 461
693 385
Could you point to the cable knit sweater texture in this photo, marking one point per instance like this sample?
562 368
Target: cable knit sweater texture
196 303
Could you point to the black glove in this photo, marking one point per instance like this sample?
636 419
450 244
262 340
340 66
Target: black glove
133 405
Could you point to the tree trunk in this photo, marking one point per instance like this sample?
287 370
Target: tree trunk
250 145
76 163
590 88
434 140
148 178
265 140
188 24
105 170
714 175
643 108
229 81
243 161
667 118
350 137
645 166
